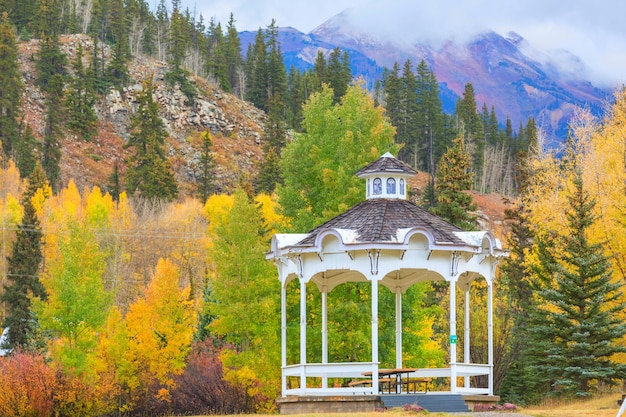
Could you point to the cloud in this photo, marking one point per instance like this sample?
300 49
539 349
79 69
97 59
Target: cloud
591 30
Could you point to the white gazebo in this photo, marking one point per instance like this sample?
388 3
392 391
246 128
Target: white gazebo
384 240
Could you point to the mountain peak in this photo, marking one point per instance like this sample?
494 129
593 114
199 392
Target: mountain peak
506 71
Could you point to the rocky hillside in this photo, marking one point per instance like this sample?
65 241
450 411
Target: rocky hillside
235 125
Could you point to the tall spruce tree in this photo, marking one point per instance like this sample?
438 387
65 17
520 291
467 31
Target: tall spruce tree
23 269
177 51
206 176
81 98
11 82
25 158
256 71
232 56
575 328
471 125
454 178
338 73
51 157
275 137
149 171
50 60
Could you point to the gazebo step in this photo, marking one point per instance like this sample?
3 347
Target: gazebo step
446 403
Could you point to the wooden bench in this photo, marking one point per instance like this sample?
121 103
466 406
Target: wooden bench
414 383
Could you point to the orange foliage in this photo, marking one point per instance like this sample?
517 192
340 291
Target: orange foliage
27 386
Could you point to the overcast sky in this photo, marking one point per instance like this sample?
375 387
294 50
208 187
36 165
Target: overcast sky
594 30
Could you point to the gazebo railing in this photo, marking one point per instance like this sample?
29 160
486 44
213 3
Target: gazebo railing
324 371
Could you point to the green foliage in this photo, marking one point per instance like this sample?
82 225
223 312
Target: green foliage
11 82
52 146
77 304
245 300
148 171
414 108
206 175
454 177
117 71
339 139
25 157
275 137
575 327
178 45
81 98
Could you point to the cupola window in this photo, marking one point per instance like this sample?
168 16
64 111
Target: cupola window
401 186
391 186
378 186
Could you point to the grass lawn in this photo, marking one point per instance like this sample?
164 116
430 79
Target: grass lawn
604 406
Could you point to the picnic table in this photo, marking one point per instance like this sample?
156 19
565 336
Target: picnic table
393 380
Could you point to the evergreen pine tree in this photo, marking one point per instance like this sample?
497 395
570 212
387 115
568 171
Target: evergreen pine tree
148 170
256 71
275 139
50 61
114 182
320 70
276 72
471 125
454 177
206 175
178 45
23 269
339 73
117 71
575 329
216 63
11 82
232 56
51 157
411 123
25 158
81 98
516 385
431 121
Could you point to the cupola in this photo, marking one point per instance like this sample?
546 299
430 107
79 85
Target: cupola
386 178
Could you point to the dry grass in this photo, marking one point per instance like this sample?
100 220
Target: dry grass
604 406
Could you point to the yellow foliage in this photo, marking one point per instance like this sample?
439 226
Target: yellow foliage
216 208
161 326
98 208
273 221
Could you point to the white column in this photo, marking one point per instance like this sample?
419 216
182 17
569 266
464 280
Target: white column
283 335
453 335
374 334
466 335
302 336
398 327
490 332
324 332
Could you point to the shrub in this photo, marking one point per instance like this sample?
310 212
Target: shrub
414 408
200 389
27 386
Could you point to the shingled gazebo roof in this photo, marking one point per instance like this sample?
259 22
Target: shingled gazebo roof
381 220
386 164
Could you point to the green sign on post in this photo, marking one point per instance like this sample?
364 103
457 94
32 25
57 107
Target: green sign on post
453 339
